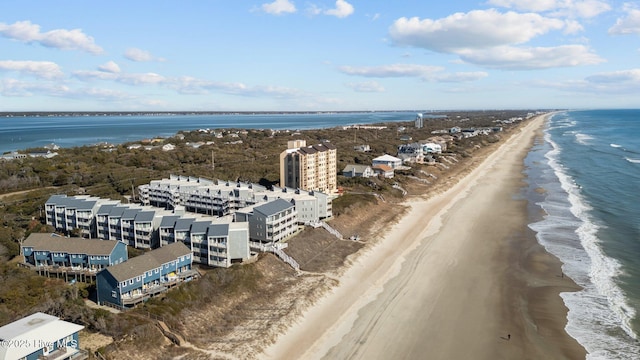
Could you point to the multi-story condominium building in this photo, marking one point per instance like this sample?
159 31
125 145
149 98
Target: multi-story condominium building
212 243
73 213
144 276
309 167
203 196
132 224
41 336
71 254
199 195
270 222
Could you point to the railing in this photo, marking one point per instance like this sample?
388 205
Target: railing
331 230
277 250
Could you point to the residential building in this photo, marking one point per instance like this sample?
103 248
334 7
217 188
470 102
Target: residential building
384 171
309 167
227 244
388 160
270 222
144 276
353 170
40 336
220 198
62 254
73 213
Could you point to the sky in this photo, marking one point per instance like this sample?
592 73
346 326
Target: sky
318 55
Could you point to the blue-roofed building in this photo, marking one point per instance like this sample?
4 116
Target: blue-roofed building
167 230
227 244
270 222
144 276
76 213
50 253
41 336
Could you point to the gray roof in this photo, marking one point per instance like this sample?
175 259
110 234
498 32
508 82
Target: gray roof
105 209
130 214
72 202
218 230
169 221
47 242
145 216
355 167
148 261
117 211
200 227
184 224
273 207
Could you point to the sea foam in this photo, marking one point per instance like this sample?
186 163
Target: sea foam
599 316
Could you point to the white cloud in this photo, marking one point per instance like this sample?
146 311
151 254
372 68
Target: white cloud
342 9
393 70
110 66
461 76
514 58
630 24
140 55
629 77
125 78
27 32
279 7
13 87
477 29
367 86
526 5
40 69
570 8
424 72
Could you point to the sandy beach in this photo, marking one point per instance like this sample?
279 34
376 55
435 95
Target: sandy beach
460 276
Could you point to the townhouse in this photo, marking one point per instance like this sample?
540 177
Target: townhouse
140 278
73 213
61 254
41 336
270 222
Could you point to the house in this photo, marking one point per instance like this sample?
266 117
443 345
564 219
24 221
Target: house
388 160
227 244
62 254
144 276
383 171
269 222
353 170
362 148
40 336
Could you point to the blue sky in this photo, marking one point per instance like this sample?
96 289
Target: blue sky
318 55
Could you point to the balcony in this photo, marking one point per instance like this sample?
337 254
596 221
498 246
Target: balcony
66 353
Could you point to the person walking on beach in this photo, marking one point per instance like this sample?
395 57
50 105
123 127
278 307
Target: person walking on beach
508 336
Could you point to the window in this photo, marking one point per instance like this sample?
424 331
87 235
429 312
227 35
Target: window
131 281
156 270
138 278
114 294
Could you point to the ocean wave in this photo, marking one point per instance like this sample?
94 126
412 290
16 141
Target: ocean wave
599 315
635 161
583 139
615 145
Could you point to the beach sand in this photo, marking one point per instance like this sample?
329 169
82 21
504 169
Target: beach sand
459 277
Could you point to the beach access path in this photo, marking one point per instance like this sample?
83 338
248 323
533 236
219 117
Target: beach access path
459 277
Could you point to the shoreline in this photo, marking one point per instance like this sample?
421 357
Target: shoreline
427 272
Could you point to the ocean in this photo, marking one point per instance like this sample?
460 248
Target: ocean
584 191
19 133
